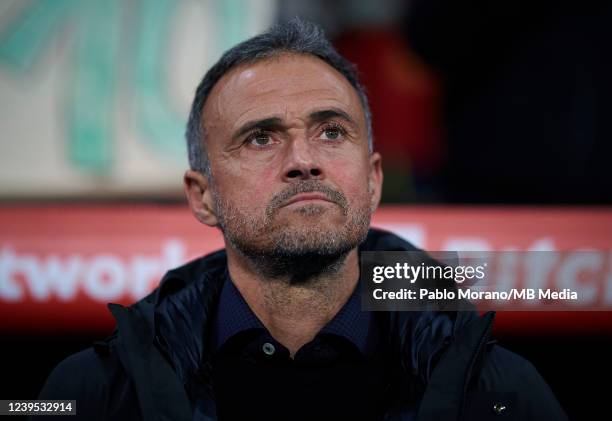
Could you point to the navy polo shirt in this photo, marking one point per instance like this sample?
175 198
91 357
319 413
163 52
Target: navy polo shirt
341 374
351 325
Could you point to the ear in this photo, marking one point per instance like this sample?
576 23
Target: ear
199 196
375 180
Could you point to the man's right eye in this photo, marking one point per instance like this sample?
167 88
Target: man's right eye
260 139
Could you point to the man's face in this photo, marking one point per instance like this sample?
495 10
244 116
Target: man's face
291 171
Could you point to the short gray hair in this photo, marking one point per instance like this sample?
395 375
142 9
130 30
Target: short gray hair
294 36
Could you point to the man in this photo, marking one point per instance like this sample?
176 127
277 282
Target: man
282 162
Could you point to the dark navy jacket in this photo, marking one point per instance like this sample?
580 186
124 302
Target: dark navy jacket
447 365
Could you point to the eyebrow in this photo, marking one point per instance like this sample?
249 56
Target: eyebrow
275 123
327 114
264 124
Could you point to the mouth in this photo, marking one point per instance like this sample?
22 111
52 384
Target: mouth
306 198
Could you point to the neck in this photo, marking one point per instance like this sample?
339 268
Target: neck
294 312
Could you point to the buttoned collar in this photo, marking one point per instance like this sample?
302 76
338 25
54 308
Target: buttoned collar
234 316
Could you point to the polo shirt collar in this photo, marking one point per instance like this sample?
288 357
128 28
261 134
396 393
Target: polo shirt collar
235 316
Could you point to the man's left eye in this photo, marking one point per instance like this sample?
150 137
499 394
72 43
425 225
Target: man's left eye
332 133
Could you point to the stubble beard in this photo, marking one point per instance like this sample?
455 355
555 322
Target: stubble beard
301 252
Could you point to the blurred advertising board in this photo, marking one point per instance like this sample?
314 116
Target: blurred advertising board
61 264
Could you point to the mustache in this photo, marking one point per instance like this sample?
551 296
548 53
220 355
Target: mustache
307 186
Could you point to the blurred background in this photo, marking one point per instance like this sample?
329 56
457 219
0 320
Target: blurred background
493 120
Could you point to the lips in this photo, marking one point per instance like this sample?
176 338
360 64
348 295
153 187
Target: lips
307 196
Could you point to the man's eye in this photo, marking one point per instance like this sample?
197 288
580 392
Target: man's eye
260 139
333 133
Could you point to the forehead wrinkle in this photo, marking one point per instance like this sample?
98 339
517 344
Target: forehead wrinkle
270 100
270 91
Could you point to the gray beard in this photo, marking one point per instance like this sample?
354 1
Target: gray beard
297 255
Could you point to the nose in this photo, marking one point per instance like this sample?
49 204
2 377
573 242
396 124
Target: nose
300 162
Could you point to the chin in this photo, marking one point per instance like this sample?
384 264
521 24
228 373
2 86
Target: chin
323 239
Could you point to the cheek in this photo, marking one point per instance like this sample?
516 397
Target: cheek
246 187
351 178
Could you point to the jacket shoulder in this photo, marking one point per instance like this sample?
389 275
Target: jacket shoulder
510 374
95 380
79 374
